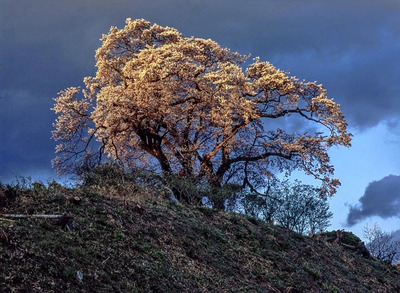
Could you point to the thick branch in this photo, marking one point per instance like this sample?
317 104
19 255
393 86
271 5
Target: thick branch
223 143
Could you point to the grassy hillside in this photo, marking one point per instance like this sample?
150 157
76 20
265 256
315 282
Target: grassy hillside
115 243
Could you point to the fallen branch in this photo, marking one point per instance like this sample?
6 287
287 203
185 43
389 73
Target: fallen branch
24 216
352 247
62 220
359 249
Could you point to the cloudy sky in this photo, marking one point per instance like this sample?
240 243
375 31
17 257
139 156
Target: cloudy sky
351 47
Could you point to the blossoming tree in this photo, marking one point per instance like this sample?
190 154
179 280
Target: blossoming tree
185 106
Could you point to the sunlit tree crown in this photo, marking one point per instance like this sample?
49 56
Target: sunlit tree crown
185 105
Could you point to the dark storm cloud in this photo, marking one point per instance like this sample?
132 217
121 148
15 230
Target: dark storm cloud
25 144
352 47
381 198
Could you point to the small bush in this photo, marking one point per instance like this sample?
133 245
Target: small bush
347 237
331 288
313 272
107 175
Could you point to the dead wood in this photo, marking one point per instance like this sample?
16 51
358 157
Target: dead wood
26 216
60 220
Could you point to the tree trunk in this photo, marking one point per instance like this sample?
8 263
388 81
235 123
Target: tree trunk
182 189
219 205
217 196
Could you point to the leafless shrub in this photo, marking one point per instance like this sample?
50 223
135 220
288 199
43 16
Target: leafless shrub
382 245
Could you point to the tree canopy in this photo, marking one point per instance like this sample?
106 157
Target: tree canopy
186 106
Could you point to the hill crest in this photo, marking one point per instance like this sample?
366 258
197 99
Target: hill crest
137 244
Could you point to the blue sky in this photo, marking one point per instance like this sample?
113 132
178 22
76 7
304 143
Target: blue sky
351 47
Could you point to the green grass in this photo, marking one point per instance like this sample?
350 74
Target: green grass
138 243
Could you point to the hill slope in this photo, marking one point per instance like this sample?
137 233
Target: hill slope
116 244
